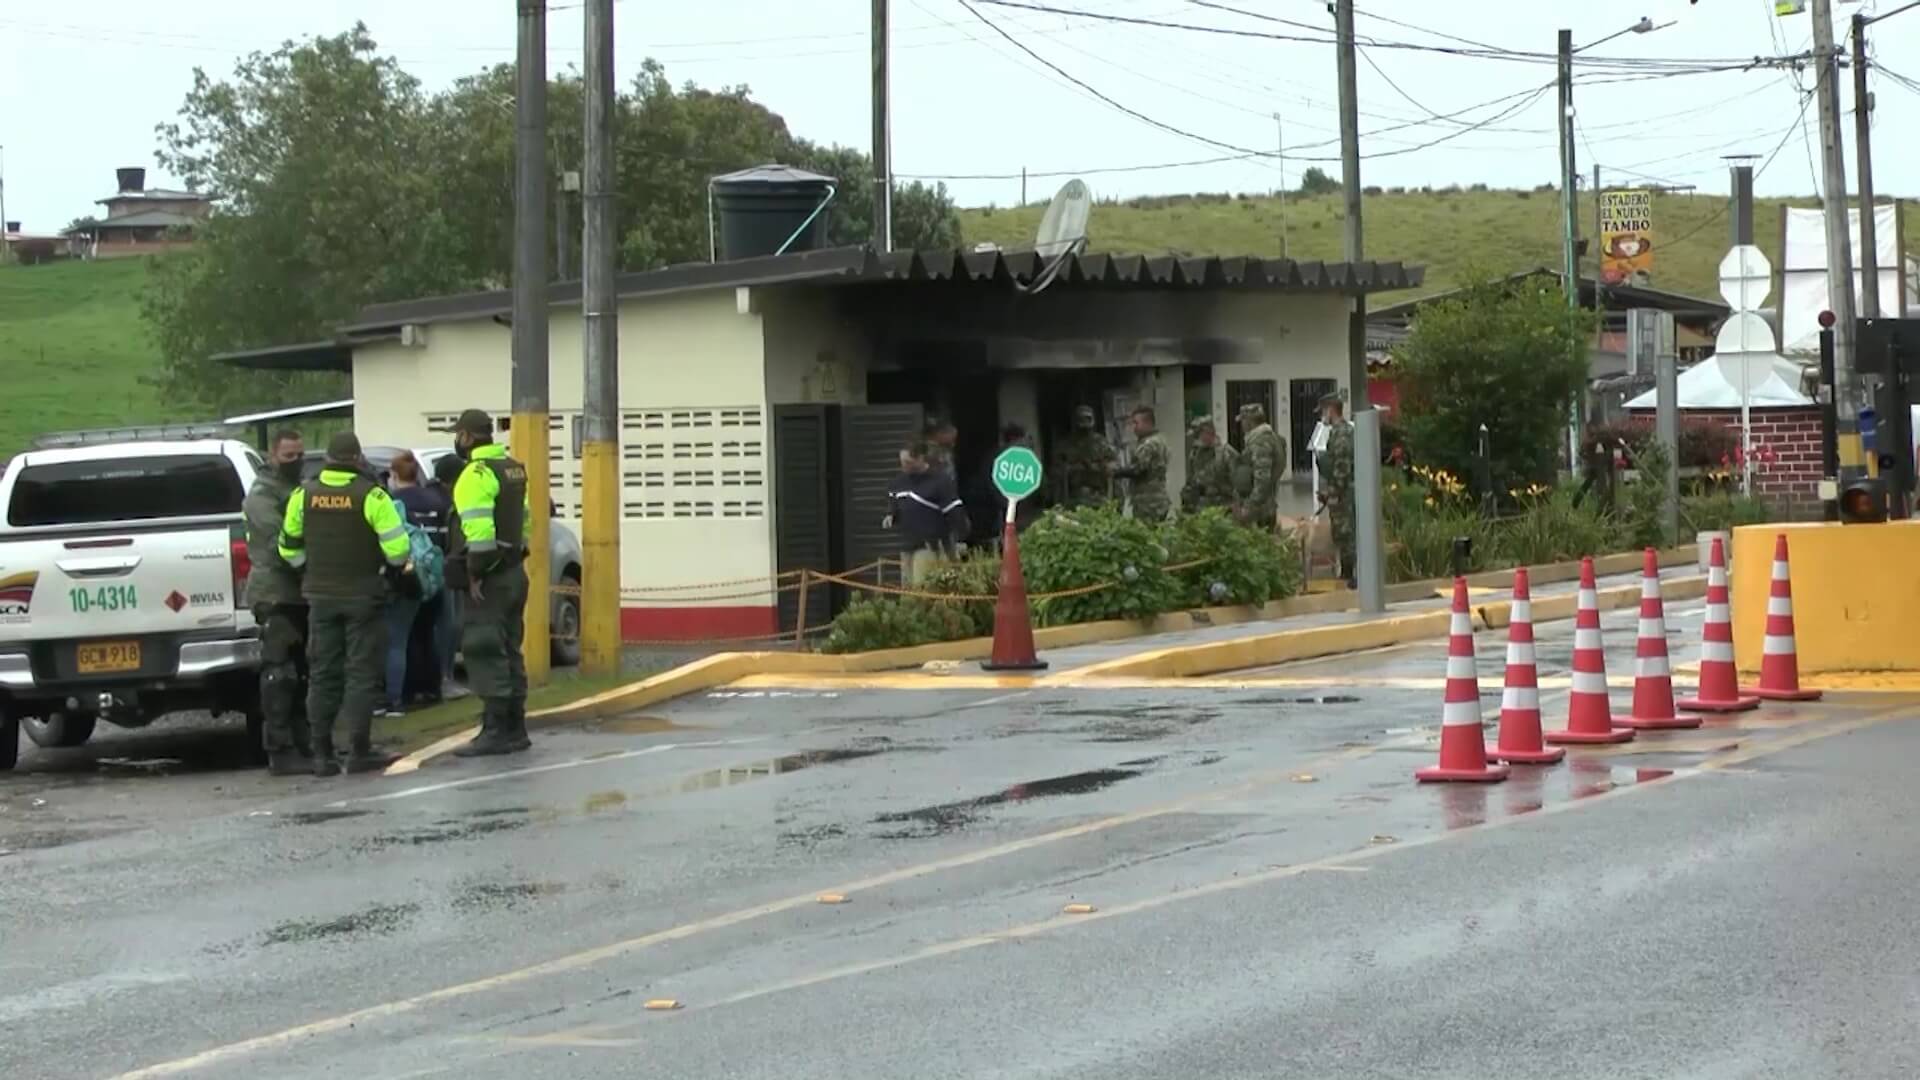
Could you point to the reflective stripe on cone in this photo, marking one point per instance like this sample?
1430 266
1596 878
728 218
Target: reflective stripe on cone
1589 712
1652 676
1520 738
1719 681
1463 745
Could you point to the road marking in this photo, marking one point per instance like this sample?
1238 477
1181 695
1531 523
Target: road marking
413 761
614 950
534 770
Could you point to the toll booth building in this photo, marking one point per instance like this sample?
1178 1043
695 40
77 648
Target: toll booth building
764 401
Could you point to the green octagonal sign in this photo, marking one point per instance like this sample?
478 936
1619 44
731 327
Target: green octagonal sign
1016 472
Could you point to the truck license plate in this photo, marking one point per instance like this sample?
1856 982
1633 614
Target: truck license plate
108 656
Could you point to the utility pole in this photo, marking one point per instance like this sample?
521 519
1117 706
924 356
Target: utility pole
1839 239
529 438
1570 265
1862 116
562 248
600 338
1023 185
882 166
1280 152
1598 254
1370 562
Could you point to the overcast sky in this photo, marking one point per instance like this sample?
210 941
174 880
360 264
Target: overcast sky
85 83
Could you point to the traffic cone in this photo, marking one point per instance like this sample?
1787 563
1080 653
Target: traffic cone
1589 712
1779 666
1463 745
1652 675
1520 699
1719 681
1012 625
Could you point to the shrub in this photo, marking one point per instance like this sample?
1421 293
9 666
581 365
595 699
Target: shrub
1092 546
1720 512
1243 565
1704 444
975 575
1551 527
1371 189
1422 513
893 623
1315 181
1640 524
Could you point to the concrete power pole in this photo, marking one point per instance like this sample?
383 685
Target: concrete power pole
529 437
882 163
1370 564
1570 259
600 414
1839 239
1862 117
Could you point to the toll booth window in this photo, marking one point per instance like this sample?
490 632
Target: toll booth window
124 489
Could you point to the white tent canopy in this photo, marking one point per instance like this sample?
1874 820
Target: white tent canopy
1773 383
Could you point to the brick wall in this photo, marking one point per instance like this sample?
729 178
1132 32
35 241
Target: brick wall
1786 450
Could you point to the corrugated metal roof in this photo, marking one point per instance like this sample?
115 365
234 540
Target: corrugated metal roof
860 267
144 219
162 194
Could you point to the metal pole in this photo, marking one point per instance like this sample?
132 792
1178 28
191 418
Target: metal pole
1570 265
1839 239
882 168
1742 214
1280 152
600 321
1862 115
529 438
1350 177
1369 552
1829 430
1666 428
1598 254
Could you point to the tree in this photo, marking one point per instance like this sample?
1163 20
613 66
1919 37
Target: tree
1505 353
923 216
1315 181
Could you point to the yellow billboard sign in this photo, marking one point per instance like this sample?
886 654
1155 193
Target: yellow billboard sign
1626 235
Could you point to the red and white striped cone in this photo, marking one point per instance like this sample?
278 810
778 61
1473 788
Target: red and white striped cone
1520 741
1652 674
1779 665
1719 681
1589 713
1463 745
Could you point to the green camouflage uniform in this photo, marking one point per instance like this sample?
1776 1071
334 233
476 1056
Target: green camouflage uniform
1336 490
1082 463
1266 456
1209 471
940 460
1148 476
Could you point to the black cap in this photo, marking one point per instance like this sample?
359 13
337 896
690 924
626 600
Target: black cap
447 469
343 448
474 422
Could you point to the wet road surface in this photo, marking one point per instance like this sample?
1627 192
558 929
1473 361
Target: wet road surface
1270 894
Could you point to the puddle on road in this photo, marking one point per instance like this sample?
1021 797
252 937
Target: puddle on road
1309 699
1531 787
446 830
379 919
319 817
481 896
928 821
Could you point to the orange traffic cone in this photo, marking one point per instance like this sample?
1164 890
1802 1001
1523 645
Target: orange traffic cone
1589 713
1779 665
1463 745
1012 625
1520 699
1652 675
1719 681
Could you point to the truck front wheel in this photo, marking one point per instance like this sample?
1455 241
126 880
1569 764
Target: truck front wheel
59 730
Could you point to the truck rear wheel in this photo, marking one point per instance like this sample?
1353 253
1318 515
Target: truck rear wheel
9 741
59 730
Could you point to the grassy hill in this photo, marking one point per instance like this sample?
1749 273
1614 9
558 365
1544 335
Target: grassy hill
73 351
1447 231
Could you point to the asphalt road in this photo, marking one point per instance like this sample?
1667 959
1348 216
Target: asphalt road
1272 895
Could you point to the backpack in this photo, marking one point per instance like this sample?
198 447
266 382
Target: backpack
429 562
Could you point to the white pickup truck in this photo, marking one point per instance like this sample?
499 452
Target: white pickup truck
122 573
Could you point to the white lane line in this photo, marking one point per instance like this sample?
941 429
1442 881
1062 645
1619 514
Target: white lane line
600 759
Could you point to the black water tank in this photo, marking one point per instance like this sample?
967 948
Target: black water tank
758 209
132 178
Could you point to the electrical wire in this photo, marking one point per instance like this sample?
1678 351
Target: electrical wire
1805 100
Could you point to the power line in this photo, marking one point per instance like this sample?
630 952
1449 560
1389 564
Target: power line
1805 100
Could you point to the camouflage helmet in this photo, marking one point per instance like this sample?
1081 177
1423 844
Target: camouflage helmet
1253 413
1201 423
1083 412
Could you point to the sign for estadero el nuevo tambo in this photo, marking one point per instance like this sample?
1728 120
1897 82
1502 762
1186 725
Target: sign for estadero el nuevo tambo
1626 235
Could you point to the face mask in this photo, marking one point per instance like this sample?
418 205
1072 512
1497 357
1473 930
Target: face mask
462 450
290 470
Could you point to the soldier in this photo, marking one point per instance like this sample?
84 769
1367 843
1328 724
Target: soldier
1336 481
941 435
491 500
1084 462
1148 472
273 588
1266 458
1210 464
343 532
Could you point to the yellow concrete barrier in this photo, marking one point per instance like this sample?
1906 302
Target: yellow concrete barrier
1856 595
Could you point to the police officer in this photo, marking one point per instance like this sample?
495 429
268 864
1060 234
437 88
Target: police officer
1084 462
1266 456
1148 470
273 589
1336 481
490 498
1209 468
343 532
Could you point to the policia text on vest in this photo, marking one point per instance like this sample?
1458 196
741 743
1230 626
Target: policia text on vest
344 534
490 503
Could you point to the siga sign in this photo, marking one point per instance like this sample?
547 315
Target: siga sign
1016 473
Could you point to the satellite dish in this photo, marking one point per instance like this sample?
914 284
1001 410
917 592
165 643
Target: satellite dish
1064 225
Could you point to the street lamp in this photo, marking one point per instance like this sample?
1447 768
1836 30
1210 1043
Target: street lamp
1644 26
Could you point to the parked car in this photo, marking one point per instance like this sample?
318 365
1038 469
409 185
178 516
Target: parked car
563 550
123 571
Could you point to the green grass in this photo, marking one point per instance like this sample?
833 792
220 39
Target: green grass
74 351
1447 232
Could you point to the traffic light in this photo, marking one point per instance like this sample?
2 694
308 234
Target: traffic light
1864 502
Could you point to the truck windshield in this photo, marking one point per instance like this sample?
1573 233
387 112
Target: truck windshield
124 489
